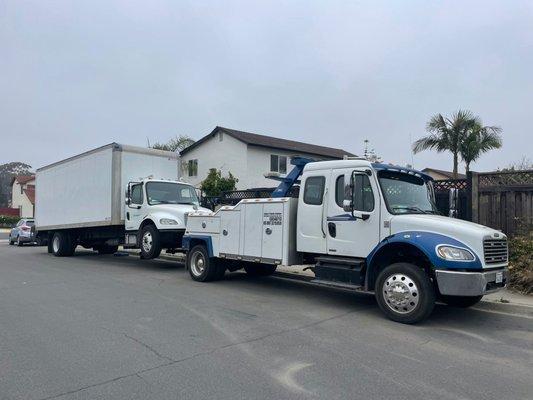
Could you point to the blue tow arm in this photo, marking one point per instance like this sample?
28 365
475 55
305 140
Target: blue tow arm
292 177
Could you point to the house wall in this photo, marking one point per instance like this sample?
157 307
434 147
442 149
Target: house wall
20 200
228 155
259 164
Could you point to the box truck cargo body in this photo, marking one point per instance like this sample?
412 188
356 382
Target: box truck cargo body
86 200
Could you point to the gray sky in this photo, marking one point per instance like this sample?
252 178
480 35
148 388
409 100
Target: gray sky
76 75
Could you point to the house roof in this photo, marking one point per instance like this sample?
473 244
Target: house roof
22 179
30 193
448 174
272 142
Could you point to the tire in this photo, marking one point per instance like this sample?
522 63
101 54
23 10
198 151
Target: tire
106 249
416 302
11 243
260 269
461 301
19 243
150 242
201 267
62 244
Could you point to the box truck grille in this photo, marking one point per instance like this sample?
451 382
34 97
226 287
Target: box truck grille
495 251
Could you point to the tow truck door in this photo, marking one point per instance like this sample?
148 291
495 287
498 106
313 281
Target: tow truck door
347 234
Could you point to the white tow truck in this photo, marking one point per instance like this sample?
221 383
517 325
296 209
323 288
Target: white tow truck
361 225
110 196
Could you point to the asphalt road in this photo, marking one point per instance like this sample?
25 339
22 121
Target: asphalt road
108 327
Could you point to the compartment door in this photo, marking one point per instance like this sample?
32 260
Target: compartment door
230 232
272 247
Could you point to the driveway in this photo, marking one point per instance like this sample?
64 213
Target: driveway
109 327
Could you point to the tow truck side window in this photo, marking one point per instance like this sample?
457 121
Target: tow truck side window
314 190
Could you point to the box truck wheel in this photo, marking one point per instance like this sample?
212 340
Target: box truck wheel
150 242
62 245
201 267
405 293
259 269
461 301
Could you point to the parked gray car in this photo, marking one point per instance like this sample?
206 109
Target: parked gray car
22 232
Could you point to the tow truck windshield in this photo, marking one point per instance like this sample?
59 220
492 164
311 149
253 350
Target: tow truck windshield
406 194
170 193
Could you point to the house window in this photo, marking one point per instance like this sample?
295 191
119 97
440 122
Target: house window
314 190
278 164
193 167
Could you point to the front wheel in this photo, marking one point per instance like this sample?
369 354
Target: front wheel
201 267
405 293
63 244
461 301
150 242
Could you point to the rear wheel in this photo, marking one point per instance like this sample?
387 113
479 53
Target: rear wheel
19 243
405 293
150 242
461 301
62 244
260 269
201 267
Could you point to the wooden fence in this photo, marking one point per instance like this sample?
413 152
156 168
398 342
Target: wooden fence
501 200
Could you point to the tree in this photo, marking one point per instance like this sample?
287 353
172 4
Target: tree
215 184
175 144
447 134
478 140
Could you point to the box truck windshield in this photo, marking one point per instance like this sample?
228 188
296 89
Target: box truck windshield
170 193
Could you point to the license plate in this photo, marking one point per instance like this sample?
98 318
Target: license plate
499 277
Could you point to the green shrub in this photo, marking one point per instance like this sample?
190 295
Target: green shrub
8 221
521 263
215 184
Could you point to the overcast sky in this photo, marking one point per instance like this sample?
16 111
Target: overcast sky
76 75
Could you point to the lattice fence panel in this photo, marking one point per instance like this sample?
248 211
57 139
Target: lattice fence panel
514 178
446 184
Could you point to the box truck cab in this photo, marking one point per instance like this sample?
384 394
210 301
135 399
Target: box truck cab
361 225
156 212
110 196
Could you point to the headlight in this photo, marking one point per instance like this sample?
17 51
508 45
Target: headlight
451 253
168 221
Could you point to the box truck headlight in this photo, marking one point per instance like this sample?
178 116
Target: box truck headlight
451 253
168 221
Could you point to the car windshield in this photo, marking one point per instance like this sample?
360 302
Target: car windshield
170 193
406 194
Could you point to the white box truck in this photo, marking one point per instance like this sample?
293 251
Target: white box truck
359 225
110 196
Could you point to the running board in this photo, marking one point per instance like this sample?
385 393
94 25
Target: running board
319 282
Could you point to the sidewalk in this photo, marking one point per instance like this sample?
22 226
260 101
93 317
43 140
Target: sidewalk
502 297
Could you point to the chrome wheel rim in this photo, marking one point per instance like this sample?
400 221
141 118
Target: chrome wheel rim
55 244
147 242
197 263
400 293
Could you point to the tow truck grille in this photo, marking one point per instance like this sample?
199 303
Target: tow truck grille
495 251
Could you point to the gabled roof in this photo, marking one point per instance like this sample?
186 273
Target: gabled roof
273 142
30 193
22 179
448 174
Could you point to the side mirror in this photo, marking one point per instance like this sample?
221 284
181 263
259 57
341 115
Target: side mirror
127 197
453 202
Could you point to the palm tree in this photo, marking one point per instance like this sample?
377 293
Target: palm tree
479 140
175 144
447 134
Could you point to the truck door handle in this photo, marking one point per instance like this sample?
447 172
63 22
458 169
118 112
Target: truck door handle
268 231
332 229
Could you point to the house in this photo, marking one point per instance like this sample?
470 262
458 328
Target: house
439 174
248 156
23 194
